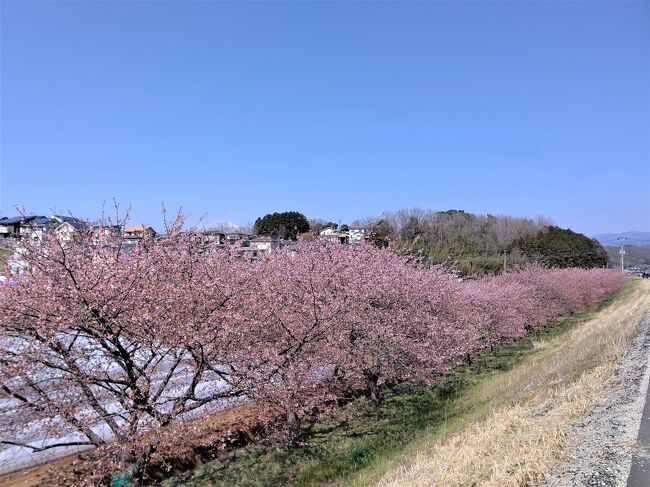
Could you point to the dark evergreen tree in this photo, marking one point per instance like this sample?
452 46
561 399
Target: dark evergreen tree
559 247
411 229
288 224
381 233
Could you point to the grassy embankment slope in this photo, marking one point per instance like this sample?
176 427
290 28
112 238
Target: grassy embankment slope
482 424
530 407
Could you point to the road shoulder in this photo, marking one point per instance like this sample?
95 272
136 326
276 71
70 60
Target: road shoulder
606 438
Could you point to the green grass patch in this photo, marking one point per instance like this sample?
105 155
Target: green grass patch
357 443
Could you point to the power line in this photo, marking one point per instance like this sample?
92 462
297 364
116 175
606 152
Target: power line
626 238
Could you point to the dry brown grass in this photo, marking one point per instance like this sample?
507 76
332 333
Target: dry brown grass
531 406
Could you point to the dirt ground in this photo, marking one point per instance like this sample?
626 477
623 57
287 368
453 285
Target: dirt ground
34 476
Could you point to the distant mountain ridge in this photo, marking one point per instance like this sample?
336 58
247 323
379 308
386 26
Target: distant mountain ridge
635 238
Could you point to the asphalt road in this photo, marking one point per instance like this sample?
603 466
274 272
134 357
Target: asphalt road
640 471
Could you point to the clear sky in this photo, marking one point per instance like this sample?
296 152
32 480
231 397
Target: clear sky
336 109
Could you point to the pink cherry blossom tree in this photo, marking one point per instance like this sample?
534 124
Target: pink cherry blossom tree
299 306
399 326
99 344
120 348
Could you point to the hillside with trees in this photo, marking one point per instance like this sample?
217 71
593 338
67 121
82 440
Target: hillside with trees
480 244
468 243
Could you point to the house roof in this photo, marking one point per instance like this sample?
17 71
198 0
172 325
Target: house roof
75 225
106 227
11 221
42 221
266 238
139 228
75 222
19 219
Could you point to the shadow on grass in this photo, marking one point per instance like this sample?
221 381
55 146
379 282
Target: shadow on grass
356 435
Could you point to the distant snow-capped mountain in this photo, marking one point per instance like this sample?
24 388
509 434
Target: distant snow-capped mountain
223 226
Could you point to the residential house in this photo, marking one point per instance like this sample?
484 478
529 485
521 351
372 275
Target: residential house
36 227
265 243
328 232
214 237
232 237
67 227
10 227
331 234
136 233
356 235
106 234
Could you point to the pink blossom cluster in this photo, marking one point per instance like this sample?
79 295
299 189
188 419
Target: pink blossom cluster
507 305
110 347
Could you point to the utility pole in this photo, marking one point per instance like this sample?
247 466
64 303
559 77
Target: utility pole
504 261
622 251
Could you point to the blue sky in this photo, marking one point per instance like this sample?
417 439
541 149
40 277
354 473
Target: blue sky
336 109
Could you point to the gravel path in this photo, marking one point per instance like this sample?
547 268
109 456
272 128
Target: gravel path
607 436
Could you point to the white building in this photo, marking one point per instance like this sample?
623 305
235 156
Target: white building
265 244
352 235
356 235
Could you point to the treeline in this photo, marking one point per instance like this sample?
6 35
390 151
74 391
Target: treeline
635 255
479 244
467 243
136 344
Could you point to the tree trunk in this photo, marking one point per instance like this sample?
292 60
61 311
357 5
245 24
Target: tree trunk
293 427
374 393
138 469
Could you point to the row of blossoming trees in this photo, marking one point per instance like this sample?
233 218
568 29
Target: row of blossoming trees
123 350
